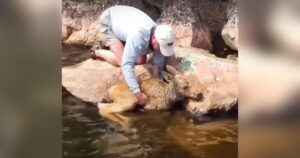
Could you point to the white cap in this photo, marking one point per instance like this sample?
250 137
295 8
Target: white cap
165 37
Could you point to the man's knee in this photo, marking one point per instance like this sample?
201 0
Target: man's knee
117 48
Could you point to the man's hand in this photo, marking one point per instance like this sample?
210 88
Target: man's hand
141 98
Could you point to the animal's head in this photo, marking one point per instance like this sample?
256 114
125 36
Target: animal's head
93 51
181 84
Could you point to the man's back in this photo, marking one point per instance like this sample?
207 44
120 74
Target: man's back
126 20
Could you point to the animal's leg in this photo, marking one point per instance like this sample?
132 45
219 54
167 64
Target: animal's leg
113 111
106 113
125 121
118 118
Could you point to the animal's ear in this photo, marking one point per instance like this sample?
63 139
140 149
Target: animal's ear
170 69
144 76
167 77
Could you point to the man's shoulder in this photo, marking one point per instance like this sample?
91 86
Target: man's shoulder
140 34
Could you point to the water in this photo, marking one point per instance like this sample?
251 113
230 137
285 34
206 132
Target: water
168 134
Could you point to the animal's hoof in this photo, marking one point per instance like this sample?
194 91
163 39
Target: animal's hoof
127 124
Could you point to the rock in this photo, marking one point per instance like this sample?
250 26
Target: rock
230 29
190 22
185 22
194 22
79 22
90 79
217 79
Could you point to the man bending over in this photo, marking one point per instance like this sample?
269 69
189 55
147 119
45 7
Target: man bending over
129 33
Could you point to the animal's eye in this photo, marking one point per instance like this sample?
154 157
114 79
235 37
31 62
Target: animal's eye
97 47
186 87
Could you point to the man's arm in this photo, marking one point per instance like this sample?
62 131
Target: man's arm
131 52
158 64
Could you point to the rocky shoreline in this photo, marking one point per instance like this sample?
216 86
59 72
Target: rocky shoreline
195 25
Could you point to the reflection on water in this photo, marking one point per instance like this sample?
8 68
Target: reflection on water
168 134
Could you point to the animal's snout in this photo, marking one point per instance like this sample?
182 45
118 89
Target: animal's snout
91 50
92 53
94 48
199 96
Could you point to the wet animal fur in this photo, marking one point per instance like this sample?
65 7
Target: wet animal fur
160 96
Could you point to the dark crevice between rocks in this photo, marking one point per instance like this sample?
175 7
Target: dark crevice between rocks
157 11
220 49
145 5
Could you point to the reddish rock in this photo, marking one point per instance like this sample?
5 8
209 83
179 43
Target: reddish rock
194 22
216 78
181 15
187 36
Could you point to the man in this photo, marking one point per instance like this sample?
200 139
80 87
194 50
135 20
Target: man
129 33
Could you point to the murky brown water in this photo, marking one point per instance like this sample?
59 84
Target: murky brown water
169 134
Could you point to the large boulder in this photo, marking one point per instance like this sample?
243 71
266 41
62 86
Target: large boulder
188 29
217 78
91 79
230 30
194 22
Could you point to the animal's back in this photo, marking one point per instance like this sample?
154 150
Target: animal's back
120 93
155 89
